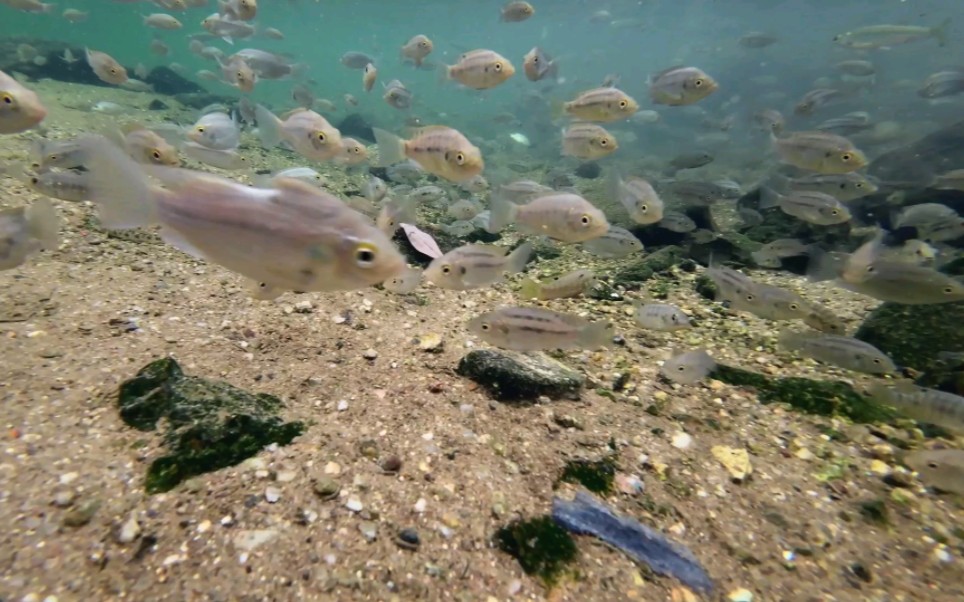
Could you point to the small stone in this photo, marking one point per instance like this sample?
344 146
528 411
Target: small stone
272 494
326 488
430 342
247 541
370 354
68 477
510 376
804 454
682 440
332 468
736 461
450 520
740 595
129 530
879 467
227 520
682 594
420 505
629 484
407 539
391 465
369 530
304 307
942 555
882 451
368 448
64 497
204 526
354 504
285 476
342 405
82 513
567 421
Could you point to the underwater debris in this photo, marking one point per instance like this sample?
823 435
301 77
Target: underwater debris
210 424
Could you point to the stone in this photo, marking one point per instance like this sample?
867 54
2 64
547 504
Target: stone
735 460
589 170
641 270
129 531
356 126
247 541
81 513
209 424
513 376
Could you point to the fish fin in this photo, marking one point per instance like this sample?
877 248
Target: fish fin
768 198
597 334
118 186
940 32
518 258
391 148
176 240
262 291
776 183
269 127
823 266
44 223
228 39
557 109
502 212
529 289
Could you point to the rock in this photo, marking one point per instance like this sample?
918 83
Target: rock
589 170
408 539
272 494
543 548
937 152
326 488
735 461
368 529
512 376
209 424
82 513
643 269
157 105
247 541
129 531
356 126
916 336
430 342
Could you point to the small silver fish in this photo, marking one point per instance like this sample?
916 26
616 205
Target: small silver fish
572 284
534 329
841 351
810 206
563 216
216 131
675 221
639 198
427 194
822 152
474 266
587 141
688 368
228 160
356 60
843 187
516 11
67 185
417 48
374 189
679 86
65 154
943 84
770 254
537 65
308 133
615 243
458 228
661 317
404 282
523 191
817 99
464 209
922 404
20 108
480 69
106 67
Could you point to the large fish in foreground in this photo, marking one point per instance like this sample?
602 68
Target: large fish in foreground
290 237
20 108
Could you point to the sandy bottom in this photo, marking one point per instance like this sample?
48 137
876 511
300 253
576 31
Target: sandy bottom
469 464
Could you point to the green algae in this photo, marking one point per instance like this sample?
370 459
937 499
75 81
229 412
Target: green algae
595 475
543 548
209 425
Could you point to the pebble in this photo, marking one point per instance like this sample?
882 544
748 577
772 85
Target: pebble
247 541
391 465
332 468
64 497
80 515
736 461
740 595
204 526
342 405
420 505
370 354
408 539
326 488
304 307
879 467
430 342
354 504
285 476
68 477
369 530
129 530
272 494
682 440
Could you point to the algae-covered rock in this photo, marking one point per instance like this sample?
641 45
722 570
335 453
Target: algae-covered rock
209 424
542 547
927 338
511 376
595 475
644 268
827 398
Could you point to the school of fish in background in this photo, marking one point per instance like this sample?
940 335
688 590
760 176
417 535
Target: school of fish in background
288 232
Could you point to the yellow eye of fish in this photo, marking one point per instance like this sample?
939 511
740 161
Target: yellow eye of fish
846 157
200 129
623 104
497 67
585 219
446 269
459 158
365 255
156 154
7 99
698 83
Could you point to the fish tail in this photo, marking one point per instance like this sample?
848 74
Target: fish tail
391 148
44 223
118 186
597 334
269 127
768 198
557 109
940 32
502 212
529 289
518 258
298 71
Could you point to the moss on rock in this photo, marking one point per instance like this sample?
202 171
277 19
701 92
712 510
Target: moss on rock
543 548
595 475
645 268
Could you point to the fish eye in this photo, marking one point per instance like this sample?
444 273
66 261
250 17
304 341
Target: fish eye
484 326
240 74
794 306
497 66
585 219
846 157
34 180
365 255
7 99
698 83
603 142
876 360
834 212
156 154
933 465
750 297
680 368
644 208
860 184
200 129
948 290
460 158
423 44
320 136
623 104
446 269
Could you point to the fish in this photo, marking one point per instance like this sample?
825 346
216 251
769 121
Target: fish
267 65
20 107
464 209
63 154
587 141
353 152
851 123
68 57
931 221
162 21
931 406
605 104
688 368
105 67
474 266
147 146
290 237
369 75
243 10
535 329
30 6
25 231
942 84
302 174
884 36
393 214
661 317
950 180
159 48
816 99
695 193
238 73
356 60
843 187
906 283
273 33
678 86
770 254
523 191
615 243
475 184
307 132
427 194
227 28
690 161
480 69
823 319
374 189
222 159
350 100
674 221
639 198
941 469
75 16
216 131
822 152
404 282
417 48
67 185
856 67
812 207
439 150
841 351
770 120
772 303
563 216
572 284
538 65
516 11
458 228
397 95
757 39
